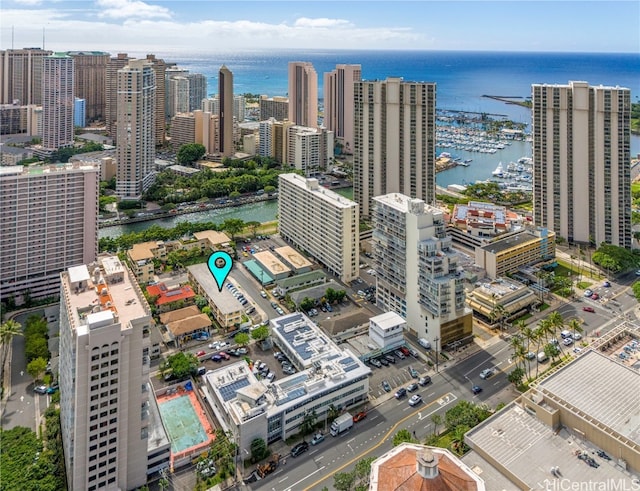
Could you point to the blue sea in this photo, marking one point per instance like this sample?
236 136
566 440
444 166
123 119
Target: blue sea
462 79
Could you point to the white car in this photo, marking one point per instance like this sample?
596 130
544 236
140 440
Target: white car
415 400
577 336
486 373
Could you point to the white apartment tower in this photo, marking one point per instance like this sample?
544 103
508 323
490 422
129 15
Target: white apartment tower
197 90
225 115
303 94
416 269
581 162
104 376
136 125
394 140
321 222
338 95
178 95
57 101
308 149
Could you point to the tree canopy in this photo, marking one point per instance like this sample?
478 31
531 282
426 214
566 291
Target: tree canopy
180 364
190 153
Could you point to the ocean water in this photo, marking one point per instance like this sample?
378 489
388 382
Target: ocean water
462 79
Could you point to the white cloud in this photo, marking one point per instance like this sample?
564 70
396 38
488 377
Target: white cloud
127 9
28 2
322 22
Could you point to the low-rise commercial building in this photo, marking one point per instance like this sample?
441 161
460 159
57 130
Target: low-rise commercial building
387 329
300 281
506 255
327 376
272 265
507 297
292 258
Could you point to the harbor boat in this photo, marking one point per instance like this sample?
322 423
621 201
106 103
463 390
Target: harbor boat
467 161
499 172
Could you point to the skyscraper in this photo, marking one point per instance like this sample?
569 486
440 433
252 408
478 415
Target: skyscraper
581 162
303 94
48 222
159 68
417 270
90 81
135 152
21 75
274 107
197 90
57 101
225 92
394 140
111 93
104 377
338 95
178 95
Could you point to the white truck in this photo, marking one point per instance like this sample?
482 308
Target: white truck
341 424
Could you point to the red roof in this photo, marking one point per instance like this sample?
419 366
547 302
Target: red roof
166 295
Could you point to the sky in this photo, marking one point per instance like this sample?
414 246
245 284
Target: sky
202 26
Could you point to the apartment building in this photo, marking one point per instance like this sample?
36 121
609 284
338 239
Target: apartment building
273 139
197 90
339 105
111 93
225 114
416 267
16 119
303 94
509 254
136 126
90 79
49 222
394 140
183 130
274 107
79 112
105 395
57 101
177 95
320 222
21 76
308 149
581 162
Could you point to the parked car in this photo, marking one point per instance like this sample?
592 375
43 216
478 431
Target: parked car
384 361
399 354
300 448
486 373
588 293
386 386
606 284
242 351
424 343
530 355
224 355
217 358
424 380
52 389
595 296
40 389
413 352
359 416
289 370
405 351
567 341
413 372
576 336
263 294
412 387
317 438
201 353
390 358
376 363
415 400
476 389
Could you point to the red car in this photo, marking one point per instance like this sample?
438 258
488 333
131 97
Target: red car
588 309
224 355
405 351
359 416
201 353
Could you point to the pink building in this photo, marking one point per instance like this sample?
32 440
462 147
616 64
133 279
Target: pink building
49 222
338 103
303 94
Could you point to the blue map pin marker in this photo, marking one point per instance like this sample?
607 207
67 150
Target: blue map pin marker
220 264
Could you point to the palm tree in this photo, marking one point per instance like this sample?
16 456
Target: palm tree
557 322
498 313
530 335
8 330
539 335
574 326
516 345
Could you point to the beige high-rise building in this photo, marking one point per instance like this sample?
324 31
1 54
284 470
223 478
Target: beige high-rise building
159 68
90 79
57 101
207 130
136 150
320 222
338 93
21 75
581 162
308 149
394 140
273 139
110 435
225 116
274 107
183 130
48 222
303 94
111 93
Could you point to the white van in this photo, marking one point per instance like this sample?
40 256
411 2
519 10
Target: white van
424 343
565 334
542 357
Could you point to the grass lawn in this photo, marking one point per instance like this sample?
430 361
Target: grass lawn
584 285
544 306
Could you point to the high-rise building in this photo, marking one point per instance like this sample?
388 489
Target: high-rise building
239 108
394 140
338 93
111 93
273 139
178 95
274 107
581 162
79 112
105 394
90 80
416 270
57 101
303 94
308 149
159 68
183 130
321 222
225 116
135 152
21 75
49 221
197 90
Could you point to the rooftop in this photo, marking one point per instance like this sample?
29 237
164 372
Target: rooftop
271 263
388 320
293 257
225 302
176 315
168 295
313 186
298 279
213 236
518 238
142 251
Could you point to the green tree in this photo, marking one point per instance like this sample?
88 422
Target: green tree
253 226
36 368
200 301
436 419
190 153
242 338
457 439
363 470
551 350
269 189
404 435
181 364
308 423
330 295
258 449
36 347
343 481
574 326
260 333
465 413
234 226
516 376
306 304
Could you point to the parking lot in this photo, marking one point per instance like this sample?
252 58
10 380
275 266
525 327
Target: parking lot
396 374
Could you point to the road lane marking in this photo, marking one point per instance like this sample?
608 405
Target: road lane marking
306 477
